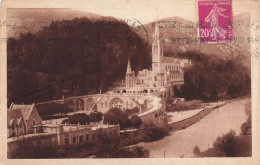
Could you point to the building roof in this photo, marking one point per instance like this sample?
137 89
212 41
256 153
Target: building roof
24 109
170 59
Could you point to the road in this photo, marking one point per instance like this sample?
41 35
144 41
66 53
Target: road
203 133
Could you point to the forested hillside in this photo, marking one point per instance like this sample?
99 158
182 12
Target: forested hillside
71 57
211 77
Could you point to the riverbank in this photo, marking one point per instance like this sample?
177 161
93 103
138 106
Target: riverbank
201 130
193 119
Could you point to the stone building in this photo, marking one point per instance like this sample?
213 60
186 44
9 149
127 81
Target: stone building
165 72
76 134
21 119
69 134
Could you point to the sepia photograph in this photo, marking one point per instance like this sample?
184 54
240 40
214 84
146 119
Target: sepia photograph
172 79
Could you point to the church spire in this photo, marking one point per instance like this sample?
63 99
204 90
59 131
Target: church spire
156 31
129 69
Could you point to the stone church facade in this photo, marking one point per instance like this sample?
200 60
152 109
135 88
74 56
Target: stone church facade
165 72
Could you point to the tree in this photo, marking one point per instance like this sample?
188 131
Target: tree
200 78
132 111
16 149
106 144
81 118
136 121
150 132
226 143
48 52
196 150
245 128
95 116
50 109
117 116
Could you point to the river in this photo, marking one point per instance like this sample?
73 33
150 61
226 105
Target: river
203 133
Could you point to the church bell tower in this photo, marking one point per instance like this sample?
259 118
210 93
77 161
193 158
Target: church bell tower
157 50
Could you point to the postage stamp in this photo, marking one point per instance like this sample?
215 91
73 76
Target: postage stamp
215 21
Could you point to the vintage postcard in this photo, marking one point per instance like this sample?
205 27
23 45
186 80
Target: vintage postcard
171 82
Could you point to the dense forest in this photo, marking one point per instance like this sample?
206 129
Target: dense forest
212 77
72 57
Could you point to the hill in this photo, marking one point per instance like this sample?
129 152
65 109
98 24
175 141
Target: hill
21 21
71 57
176 27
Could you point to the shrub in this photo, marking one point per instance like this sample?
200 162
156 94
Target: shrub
152 133
95 116
81 118
136 121
245 128
226 143
132 111
35 149
117 116
196 150
105 144
46 110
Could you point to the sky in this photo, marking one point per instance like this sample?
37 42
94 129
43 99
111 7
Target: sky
150 10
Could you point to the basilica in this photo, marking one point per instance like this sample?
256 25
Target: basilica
165 73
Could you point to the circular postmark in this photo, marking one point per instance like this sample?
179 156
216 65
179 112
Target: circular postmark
226 31
138 27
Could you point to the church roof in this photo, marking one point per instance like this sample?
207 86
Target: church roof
25 109
169 60
129 69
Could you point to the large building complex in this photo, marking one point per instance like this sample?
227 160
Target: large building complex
165 73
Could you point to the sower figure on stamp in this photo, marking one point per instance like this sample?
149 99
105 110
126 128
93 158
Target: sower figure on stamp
214 18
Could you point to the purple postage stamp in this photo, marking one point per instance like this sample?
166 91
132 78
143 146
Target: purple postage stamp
215 21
